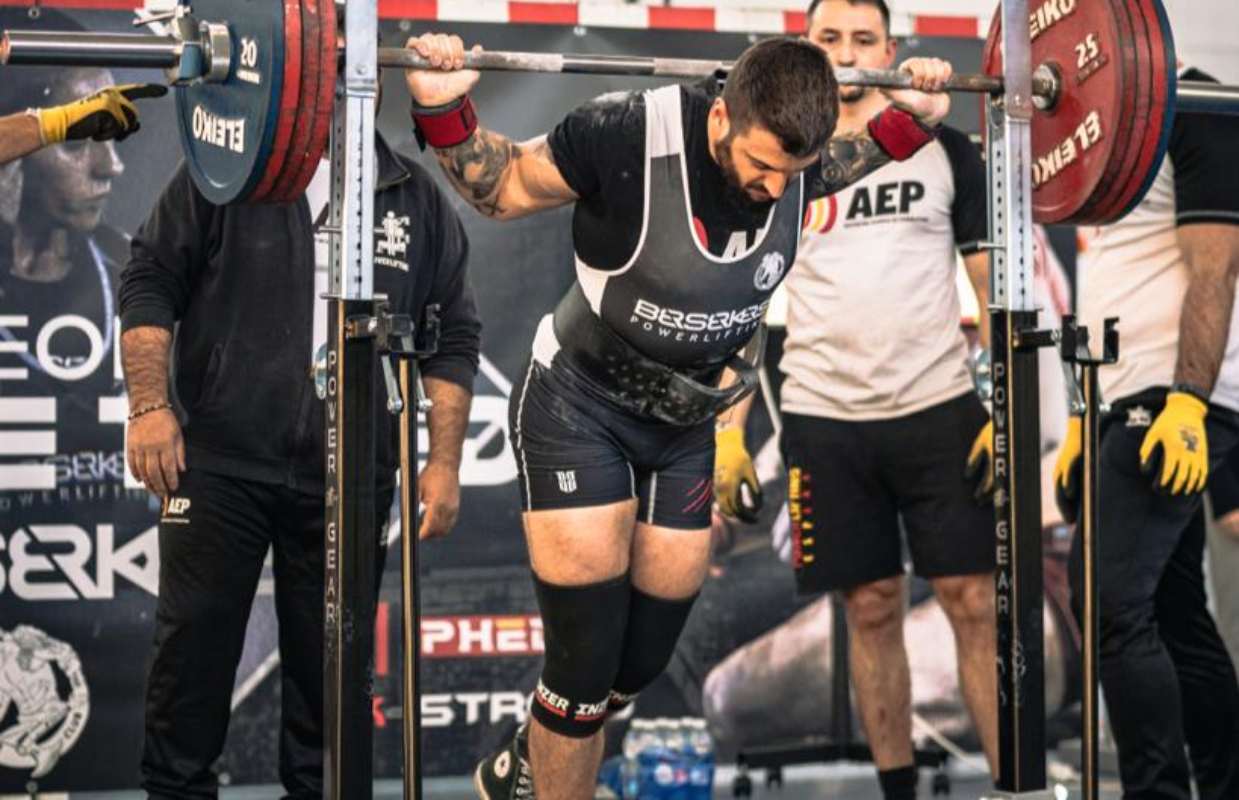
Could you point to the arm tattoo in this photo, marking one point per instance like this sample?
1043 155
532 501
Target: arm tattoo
478 166
848 158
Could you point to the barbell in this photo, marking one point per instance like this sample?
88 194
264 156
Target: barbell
255 92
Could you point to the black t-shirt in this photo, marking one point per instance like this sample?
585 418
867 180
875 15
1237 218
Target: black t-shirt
599 149
1204 151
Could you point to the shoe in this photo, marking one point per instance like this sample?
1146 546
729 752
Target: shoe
506 774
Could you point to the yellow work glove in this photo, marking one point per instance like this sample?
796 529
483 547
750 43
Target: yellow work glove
107 114
980 466
1067 470
1175 450
736 489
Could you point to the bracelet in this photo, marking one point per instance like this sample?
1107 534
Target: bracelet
899 134
447 125
148 409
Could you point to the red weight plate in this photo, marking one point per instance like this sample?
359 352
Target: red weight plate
1165 90
1132 109
311 74
1136 109
289 99
1074 144
324 108
1156 67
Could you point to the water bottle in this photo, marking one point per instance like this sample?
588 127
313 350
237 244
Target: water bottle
701 771
670 772
630 769
684 759
610 782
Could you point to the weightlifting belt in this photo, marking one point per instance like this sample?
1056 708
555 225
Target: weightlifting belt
638 383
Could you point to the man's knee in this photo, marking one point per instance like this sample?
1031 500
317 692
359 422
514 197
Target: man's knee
654 627
876 607
583 627
967 599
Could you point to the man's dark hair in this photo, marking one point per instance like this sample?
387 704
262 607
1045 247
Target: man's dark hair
786 86
880 5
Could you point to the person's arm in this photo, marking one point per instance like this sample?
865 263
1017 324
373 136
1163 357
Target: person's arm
970 216
1211 252
448 374
1202 151
505 179
19 136
154 292
895 134
733 465
977 267
106 114
500 178
154 447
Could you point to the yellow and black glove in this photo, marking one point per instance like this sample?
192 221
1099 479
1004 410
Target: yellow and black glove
1175 450
107 114
1068 470
980 466
736 489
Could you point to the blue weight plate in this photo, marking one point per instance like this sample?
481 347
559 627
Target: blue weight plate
227 129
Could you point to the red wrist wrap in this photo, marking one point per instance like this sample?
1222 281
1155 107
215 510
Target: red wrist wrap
899 134
447 128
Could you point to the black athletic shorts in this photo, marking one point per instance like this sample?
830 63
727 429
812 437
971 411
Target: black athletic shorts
575 449
849 483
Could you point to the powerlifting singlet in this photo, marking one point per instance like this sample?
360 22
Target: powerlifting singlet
673 305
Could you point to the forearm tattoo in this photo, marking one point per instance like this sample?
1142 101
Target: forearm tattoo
478 167
848 158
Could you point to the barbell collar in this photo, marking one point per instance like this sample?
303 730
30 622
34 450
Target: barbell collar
89 49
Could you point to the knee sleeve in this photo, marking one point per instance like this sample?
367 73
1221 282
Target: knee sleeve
583 629
654 627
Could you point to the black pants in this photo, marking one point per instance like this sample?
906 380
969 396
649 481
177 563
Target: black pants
213 538
1167 677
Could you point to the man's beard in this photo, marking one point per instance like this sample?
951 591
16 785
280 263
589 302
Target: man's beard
736 195
852 94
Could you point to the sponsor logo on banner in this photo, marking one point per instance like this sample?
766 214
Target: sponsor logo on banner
64 562
769 272
41 680
390 250
482 636
473 708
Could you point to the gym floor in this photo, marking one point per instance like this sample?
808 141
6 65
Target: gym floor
839 782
